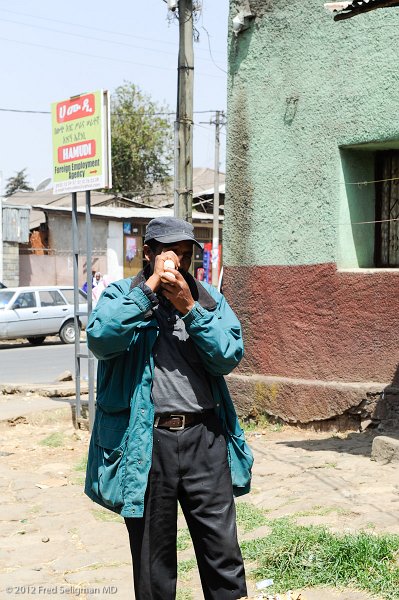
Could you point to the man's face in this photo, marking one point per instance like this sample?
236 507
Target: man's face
183 251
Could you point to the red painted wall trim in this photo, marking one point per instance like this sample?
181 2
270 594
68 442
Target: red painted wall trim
316 322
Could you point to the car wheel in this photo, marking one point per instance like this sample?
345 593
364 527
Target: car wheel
67 332
36 341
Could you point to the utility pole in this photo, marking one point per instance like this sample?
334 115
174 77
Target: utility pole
215 237
184 115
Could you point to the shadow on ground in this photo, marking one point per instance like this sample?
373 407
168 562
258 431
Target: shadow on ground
358 444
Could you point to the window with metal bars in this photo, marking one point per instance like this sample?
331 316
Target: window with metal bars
386 250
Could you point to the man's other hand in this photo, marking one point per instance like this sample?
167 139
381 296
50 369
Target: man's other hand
177 291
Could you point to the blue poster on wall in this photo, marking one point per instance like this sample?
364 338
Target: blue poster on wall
206 261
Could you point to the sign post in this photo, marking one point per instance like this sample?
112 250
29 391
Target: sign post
82 162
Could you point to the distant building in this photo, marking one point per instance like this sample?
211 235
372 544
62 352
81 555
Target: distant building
118 226
14 230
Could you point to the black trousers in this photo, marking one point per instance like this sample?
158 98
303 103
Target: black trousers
190 467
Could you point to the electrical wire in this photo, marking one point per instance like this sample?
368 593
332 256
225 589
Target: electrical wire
119 60
34 112
363 183
48 112
129 35
102 40
210 51
372 222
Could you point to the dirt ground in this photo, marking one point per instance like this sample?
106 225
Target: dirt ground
54 541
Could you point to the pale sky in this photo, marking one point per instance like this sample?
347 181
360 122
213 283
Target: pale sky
51 50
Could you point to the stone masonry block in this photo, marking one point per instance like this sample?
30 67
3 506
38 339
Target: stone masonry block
385 449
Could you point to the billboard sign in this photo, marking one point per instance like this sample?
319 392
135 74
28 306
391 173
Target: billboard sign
81 143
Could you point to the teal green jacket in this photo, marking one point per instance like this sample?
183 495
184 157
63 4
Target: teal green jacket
121 333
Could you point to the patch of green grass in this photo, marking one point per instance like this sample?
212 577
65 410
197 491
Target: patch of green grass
182 594
54 440
183 539
323 511
260 422
78 480
106 516
184 568
81 465
249 517
326 465
96 567
297 557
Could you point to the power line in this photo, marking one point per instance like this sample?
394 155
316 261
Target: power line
210 51
129 35
362 183
35 112
124 60
48 112
88 37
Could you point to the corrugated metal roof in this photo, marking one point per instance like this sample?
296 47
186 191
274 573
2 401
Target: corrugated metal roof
47 197
209 192
203 179
124 214
159 196
15 223
351 8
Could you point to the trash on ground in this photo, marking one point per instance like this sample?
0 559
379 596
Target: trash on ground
265 583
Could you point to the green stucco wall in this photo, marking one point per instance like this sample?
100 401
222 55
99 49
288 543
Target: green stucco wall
302 88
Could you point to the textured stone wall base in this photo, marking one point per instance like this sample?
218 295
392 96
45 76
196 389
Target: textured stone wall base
11 264
322 405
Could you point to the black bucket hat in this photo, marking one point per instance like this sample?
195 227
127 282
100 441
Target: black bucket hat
167 230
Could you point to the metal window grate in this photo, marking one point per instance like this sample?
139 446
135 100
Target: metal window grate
387 209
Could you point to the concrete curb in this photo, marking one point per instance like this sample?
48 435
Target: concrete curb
59 389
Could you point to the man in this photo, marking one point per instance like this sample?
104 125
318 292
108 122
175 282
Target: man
97 279
165 428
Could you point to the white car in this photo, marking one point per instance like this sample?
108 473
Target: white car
35 312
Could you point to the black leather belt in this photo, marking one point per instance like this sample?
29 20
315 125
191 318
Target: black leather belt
178 422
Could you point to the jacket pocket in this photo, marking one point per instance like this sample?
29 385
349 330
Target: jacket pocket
111 440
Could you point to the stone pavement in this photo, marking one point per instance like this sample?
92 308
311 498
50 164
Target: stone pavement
55 542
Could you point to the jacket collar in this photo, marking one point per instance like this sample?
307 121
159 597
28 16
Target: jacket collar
197 290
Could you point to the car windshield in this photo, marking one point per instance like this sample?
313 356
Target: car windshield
5 298
69 296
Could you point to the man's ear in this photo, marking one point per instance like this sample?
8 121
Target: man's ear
148 253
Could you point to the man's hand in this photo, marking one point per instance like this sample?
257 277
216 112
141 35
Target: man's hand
154 282
177 291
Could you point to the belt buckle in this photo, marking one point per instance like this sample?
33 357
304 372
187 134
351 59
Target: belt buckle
183 424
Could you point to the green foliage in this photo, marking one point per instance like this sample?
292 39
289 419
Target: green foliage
106 516
260 422
184 568
296 557
183 539
183 594
54 440
323 511
82 464
249 517
141 141
18 182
